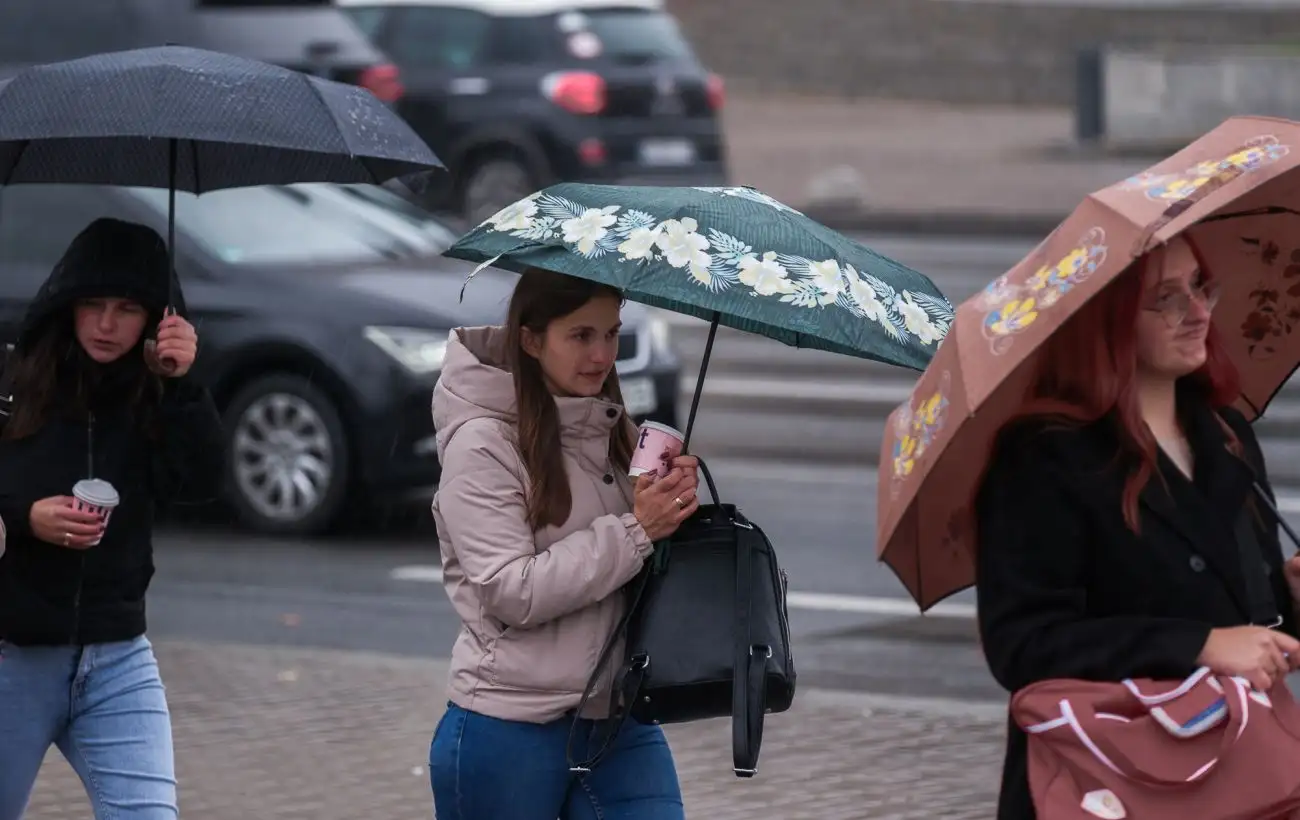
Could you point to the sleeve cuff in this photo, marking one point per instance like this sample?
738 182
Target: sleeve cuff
641 542
1183 645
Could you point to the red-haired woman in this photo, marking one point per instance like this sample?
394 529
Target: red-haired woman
1117 532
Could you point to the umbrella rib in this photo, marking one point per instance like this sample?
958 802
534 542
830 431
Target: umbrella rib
338 129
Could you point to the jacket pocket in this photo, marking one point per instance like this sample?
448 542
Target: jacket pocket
555 657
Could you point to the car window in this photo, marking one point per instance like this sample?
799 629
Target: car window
37 223
624 35
269 225
370 19
39 31
431 37
373 198
520 41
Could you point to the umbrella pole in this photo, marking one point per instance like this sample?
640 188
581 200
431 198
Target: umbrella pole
699 381
171 238
171 223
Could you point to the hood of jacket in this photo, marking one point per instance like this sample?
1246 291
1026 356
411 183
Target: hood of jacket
110 258
476 384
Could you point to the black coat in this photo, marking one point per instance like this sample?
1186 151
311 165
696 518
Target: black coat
50 594
1066 590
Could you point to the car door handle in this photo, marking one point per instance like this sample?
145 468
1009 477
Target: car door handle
469 86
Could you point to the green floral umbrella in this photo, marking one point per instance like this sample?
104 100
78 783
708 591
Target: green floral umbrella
731 256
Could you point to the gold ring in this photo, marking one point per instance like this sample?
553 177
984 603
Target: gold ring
67 538
681 505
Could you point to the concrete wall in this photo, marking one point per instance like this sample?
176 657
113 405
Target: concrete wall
946 50
1168 97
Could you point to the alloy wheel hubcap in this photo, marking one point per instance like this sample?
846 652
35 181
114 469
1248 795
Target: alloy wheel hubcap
283 457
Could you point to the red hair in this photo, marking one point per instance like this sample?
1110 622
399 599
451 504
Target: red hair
1087 370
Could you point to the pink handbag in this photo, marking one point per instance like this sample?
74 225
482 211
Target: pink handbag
1208 748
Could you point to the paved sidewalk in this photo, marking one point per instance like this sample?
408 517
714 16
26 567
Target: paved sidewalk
886 164
274 734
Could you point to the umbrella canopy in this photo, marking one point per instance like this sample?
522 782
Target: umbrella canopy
116 118
1235 193
732 256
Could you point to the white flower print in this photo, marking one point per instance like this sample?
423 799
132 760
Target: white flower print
917 321
720 262
827 279
517 216
869 302
640 243
586 230
765 276
684 248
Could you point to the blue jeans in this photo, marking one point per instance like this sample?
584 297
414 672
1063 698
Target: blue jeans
103 705
483 768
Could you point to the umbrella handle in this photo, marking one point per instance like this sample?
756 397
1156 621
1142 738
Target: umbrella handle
168 364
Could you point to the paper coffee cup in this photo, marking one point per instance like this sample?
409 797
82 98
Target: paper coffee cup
653 440
94 495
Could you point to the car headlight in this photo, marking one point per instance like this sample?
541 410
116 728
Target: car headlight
661 337
419 351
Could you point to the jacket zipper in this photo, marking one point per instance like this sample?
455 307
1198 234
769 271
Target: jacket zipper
81 566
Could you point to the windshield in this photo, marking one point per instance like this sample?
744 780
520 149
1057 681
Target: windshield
297 225
374 202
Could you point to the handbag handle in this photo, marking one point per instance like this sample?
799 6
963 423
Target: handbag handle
1087 725
708 479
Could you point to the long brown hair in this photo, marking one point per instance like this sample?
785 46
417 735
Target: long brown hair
540 298
55 370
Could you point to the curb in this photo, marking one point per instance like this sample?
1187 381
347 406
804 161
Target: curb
857 218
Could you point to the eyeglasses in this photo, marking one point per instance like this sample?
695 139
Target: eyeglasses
1174 305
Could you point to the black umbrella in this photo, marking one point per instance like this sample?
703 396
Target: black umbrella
184 118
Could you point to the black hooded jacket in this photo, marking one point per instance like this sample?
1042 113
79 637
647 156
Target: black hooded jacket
55 595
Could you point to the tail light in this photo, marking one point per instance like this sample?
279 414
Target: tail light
384 81
717 92
578 92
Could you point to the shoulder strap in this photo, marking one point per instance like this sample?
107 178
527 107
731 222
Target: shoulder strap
749 671
622 695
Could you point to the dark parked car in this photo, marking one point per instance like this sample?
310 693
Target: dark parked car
517 94
305 35
323 313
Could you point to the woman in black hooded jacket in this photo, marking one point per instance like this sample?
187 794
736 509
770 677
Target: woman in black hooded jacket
93 394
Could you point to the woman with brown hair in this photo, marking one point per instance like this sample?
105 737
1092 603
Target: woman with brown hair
101 385
1118 532
540 527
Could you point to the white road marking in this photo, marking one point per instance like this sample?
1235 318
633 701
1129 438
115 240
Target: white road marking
1288 503
816 601
881 392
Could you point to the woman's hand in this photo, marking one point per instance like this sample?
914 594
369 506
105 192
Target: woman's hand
1260 655
57 521
172 354
662 504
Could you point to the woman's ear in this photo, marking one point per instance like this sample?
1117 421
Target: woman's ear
531 342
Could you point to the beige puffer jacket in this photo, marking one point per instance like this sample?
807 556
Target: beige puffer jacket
535 608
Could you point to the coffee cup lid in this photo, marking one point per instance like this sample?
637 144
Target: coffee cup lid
95 491
664 428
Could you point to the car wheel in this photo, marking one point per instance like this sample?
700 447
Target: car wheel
491 186
287 455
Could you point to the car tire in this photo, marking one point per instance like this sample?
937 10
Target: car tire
287 460
491 185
